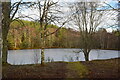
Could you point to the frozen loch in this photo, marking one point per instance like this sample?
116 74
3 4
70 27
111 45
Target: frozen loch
32 56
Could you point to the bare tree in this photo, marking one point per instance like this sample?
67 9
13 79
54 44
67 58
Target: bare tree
48 13
5 28
86 16
8 13
45 17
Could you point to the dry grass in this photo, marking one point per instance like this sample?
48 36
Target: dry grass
90 69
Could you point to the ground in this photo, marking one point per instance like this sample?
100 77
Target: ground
90 69
103 68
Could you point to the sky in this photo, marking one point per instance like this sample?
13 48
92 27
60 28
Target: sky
113 3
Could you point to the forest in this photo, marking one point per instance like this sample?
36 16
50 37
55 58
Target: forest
25 36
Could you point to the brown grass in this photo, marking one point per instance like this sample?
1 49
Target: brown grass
90 69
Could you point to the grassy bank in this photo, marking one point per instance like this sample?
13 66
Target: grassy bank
89 69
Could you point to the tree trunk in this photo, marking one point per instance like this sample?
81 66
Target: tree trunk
42 56
5 28
4 50
43 43
42 50
86 56
5 46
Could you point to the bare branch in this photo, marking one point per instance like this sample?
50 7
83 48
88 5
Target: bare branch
17 6
57 29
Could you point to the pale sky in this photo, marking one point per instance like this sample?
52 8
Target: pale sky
65 9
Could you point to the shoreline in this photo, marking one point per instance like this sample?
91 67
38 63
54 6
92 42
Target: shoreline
61 48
